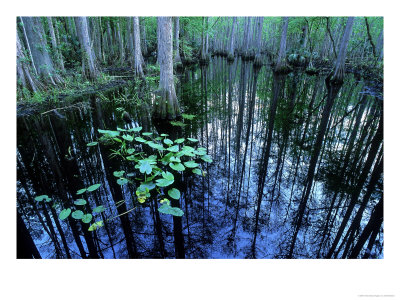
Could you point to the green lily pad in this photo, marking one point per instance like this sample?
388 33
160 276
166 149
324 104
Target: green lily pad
96 226
127 137
179 141
92 144
174 148
118 173
99 209
78 214
169 210
191 164
193 140
81 191
122 181
174 193
87 218
93 187
168 142
41 198
197 171
64 214
80 202
177 166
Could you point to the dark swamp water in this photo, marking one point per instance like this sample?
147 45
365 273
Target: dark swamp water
223 217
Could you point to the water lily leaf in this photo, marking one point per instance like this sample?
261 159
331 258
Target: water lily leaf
164 134
174 193
145 167
121 129
99 209
93 187
118 173
41 198
156 146
136 129
130 150
80 202
122 181
87 218
78 214
127 137
200 152
174 159
96 226
168 142
177 166
169 210
173 148
162 182
81 191
91 144
167 175
191 164
64 214
179 141
206 158
149 185
147 133
187 116
193 140
197 171
110 133
140 139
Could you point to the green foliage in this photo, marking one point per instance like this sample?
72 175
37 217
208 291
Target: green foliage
64 213
42 197
78 214
174 193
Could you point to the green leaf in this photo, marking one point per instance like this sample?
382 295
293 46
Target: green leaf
119 173
140 139
109 132
167 175
174 193
99 209
187 116
93 187
174 159
136 129
191 164
147 133
169 210
149 185
78 214
164 134
177 166
155 145
80 202
164 182
117 140
173 148
81 191
193 140
179 141
130 150
197 171
91 144
145 167
168 142
47 199
96 225
64 214
127 137
206 158
121 129
200 152
122 181
41 198
87 218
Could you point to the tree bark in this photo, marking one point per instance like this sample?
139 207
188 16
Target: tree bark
166 105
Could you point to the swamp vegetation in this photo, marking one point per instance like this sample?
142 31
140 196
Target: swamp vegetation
199 137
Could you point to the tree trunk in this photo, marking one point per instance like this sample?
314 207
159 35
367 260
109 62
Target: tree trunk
36 39
26 247
166 105
177 58
88 56
59 61
138 51
281 65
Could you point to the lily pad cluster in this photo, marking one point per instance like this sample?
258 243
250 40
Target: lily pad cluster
155 159
80 212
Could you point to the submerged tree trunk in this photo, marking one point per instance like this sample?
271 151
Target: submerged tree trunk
231 50
26 248
166 104
88 56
